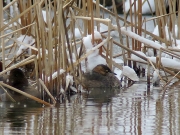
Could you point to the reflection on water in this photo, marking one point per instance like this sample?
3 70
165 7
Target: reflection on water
102 111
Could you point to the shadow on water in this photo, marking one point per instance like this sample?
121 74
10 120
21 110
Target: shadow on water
101 95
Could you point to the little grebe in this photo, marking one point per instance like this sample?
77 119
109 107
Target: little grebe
18 80
100 76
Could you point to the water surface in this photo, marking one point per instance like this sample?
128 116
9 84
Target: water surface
128 111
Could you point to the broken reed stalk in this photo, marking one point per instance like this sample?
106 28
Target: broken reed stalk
97 15
45 88
139 31
165 88
58 49
85 22
170 80
178 22
7 6
57 46
17 17
49 42
156 17
2 40
172 17
25 94
7 47
155 69
74 49
134 20
17 65
108 39
11 98
22 7
69 47
92 19
27 45
78 25
5 35
119 31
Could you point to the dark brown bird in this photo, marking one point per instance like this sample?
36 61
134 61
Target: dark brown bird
1 66
18 80
100 76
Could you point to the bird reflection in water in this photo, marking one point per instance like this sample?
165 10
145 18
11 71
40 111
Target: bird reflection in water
102 95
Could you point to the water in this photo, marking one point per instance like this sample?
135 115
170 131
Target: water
126 111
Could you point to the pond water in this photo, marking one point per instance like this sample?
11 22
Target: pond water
128 111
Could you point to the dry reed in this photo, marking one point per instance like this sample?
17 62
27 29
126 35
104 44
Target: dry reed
53 46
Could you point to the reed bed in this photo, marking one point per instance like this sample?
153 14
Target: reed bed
54 42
